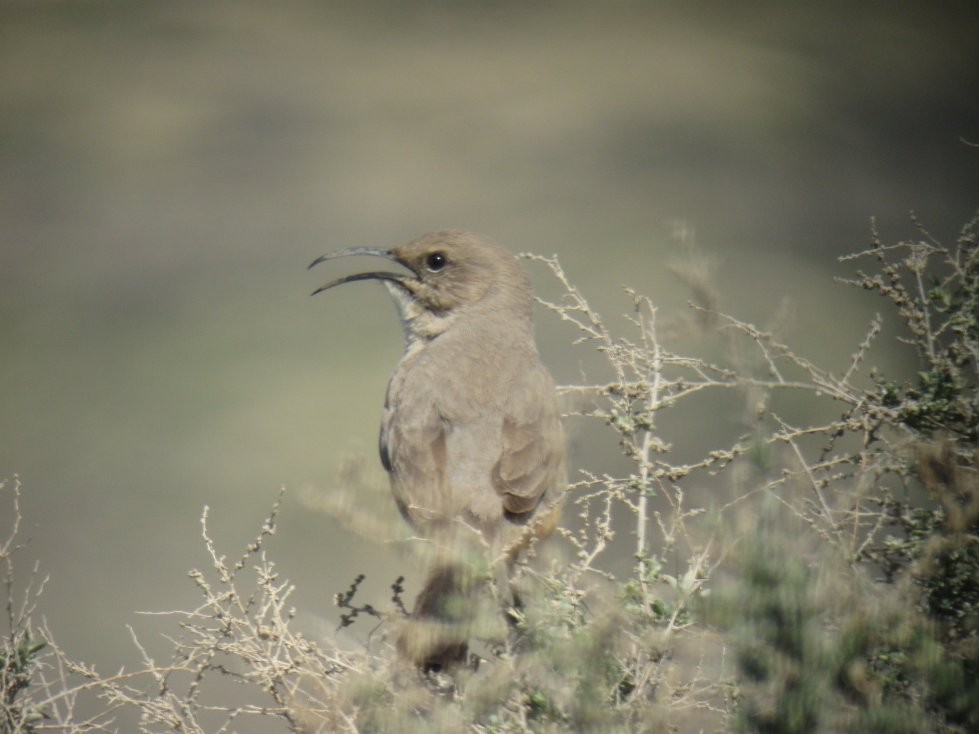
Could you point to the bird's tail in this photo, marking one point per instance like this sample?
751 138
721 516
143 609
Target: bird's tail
436 635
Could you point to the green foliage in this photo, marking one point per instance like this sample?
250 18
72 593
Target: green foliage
832 650
775 615
935 292
19 659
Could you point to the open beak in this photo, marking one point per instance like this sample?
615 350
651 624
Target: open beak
372 275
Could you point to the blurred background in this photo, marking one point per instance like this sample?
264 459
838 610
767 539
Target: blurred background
167 171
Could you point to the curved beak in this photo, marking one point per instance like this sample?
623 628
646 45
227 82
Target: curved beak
372 275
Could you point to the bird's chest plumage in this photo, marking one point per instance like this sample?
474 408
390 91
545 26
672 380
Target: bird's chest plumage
441 434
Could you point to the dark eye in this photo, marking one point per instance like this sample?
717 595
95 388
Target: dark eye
435 261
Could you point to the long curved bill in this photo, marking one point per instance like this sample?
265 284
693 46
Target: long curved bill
372 275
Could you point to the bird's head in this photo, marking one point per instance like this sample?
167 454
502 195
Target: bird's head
448 273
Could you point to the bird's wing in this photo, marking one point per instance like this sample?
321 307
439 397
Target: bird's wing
532 458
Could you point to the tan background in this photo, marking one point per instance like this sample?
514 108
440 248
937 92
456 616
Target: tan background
167 170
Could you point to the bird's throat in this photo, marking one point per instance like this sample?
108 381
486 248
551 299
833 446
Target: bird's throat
420 323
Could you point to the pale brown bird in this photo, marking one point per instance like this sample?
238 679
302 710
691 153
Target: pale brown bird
471 435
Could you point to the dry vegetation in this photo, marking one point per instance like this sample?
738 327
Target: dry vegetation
834 586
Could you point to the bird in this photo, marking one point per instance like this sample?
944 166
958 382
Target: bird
471 433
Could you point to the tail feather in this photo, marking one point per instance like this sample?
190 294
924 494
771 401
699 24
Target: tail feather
436 635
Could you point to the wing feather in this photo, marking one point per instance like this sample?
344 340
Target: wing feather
414 454
531 461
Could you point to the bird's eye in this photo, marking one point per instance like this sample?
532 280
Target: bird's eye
436 261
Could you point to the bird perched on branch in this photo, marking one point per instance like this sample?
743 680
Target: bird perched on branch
471 435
